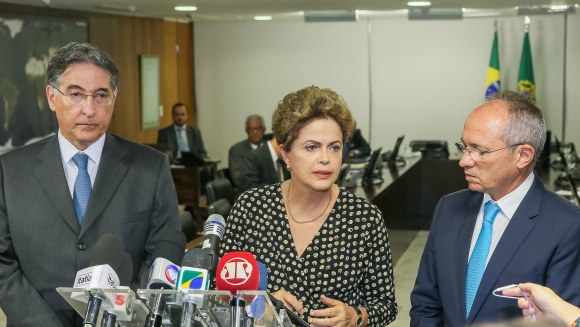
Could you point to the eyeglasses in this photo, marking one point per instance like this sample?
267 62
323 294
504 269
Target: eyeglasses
477 154
100 98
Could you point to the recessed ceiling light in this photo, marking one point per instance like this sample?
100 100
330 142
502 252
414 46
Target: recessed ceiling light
418 3
185 8
262 17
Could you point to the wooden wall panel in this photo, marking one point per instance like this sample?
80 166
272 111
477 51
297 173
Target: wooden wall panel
125 38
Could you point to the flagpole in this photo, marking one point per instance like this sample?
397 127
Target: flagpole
564 104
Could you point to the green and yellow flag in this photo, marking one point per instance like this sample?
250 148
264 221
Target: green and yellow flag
493 83
526 83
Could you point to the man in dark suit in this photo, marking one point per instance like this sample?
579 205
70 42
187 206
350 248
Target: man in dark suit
54 207
255 129
531 236
181 137
264 166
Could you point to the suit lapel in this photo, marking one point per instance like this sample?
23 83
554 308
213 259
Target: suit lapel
112 170
514 235
465 231
50 175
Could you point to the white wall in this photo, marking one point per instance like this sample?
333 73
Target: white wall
418 78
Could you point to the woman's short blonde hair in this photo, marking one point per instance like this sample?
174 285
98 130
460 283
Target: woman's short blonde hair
300 107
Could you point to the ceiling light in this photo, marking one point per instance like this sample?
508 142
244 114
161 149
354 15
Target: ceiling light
418 3
262 17
185 8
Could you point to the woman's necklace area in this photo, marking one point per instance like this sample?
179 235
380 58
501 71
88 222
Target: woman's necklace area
305 221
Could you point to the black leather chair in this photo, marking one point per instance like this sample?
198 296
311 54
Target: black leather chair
220 188
188 225
221 207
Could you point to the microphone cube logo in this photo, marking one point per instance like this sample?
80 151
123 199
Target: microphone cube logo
236 271
193 280
171 273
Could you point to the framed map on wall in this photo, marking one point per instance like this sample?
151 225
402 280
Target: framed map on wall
26 45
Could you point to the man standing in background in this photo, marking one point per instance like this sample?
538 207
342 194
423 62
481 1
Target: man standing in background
58 196
181 137
255 129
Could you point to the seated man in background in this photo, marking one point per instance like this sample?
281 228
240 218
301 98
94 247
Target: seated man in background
507 228
263 166
255 129
181 137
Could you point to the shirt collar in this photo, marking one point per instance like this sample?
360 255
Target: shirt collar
510 202
68 150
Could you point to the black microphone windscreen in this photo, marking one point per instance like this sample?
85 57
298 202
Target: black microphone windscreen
125 271
171 246
198 258
107 250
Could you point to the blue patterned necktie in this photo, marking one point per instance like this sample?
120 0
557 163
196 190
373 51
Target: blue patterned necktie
476 265
83 186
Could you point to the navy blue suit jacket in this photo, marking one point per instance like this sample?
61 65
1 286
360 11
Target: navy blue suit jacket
541 244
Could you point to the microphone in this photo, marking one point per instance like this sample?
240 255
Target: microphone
163 273
194 275
214 229
119 300
105 258
237 271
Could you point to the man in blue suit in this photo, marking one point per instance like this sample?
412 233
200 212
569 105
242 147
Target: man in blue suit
534 237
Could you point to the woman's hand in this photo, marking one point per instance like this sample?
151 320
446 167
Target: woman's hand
289 300
542 300
337 314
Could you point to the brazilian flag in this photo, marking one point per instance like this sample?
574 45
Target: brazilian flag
526 83
493 84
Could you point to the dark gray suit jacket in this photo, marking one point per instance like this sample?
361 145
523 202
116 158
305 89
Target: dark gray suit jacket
236 156
167 136
541 244
258 169
42 245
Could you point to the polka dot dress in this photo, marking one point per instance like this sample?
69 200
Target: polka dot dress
349 258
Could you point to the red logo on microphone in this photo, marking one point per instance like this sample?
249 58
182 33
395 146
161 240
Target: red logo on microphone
236 271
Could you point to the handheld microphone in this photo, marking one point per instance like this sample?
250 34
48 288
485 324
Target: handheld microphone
105 259
119 309
163 273
214 229
194 275
237 271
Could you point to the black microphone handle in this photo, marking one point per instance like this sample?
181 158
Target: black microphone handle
188 314
214 242
109 319
155 316
92 313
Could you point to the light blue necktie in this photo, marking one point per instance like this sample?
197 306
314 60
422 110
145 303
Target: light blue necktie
83 186
181 143
476 265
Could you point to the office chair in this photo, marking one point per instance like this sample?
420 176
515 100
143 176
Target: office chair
221 207
342 174
220 188
188 225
